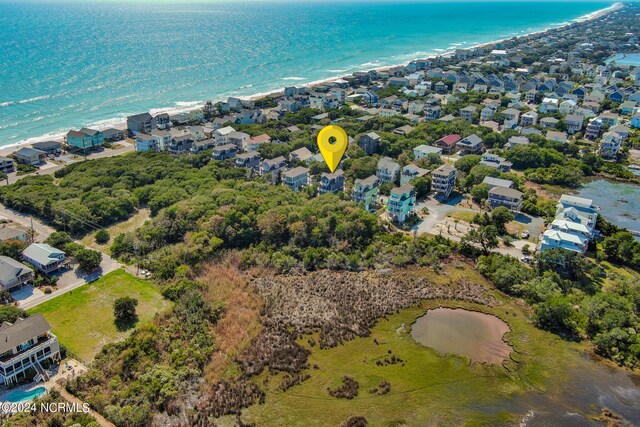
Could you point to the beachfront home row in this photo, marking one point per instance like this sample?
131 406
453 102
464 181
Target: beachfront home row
84 139
6 165
30 156
574 225
25 345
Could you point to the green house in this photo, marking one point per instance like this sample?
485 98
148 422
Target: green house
365 191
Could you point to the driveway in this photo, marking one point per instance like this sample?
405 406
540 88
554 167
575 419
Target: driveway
437 212
68 279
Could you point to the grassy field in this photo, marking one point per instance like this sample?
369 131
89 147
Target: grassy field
136 221
465 216
83 318
427 389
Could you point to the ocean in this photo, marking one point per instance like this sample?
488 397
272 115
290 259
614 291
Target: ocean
71 64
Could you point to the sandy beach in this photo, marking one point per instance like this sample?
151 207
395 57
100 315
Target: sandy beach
7 150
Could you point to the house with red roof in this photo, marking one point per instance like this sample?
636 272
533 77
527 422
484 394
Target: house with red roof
448 143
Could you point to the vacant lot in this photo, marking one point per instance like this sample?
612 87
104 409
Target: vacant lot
83 318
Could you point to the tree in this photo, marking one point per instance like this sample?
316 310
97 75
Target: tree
500 216
59 239
480 193
486 236
124 309
88 260
568 263
12 248
102 236
465 163
422 186
11 314
556 314
622 248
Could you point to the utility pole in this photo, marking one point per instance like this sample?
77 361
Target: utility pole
32 232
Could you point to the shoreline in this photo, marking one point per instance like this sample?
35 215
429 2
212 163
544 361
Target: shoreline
121 124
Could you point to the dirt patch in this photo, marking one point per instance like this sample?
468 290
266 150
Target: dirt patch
240 324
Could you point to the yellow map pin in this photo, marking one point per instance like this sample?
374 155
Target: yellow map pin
332 142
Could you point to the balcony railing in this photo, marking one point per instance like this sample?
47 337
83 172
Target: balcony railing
9 360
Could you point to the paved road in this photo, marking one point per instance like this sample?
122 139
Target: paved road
438 212
50 167
30 296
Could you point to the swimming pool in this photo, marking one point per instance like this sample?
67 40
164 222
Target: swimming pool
24 395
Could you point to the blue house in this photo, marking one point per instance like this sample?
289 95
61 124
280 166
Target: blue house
635 121
146 142
617 96
85 138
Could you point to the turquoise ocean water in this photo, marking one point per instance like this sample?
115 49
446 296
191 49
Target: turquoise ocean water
67 65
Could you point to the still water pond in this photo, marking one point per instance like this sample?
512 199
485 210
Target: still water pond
632 59
468 333
619 202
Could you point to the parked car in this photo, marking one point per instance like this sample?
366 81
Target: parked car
525 234
527 259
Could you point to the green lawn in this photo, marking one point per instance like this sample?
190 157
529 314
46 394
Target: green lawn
465 216
83 318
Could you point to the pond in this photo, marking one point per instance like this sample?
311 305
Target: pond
632 59
24 395
619 202
468 333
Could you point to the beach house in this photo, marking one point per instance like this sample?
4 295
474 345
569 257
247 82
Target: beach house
369 142
387 170
13 273
6 165
296 178
52 148
574 123
143 122
248 160
11 232
84 139
610 144
225 151
401 203
443 180
331 182
574 225
24 346
365 191
30 156
410 172
145 142
302 154
252 144
448 143
471 144
45 258
423 151
273 167
494 161
505 196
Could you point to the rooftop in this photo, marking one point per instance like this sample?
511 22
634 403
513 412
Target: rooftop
12 335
